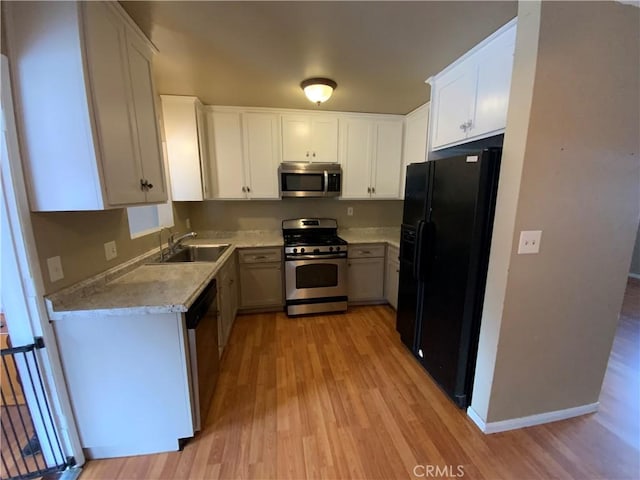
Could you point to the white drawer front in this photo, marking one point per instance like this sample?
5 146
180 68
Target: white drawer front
366 251
263 255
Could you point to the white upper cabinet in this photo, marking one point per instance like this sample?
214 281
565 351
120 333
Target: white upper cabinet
262 154
310 138
246 154
416 131
187 151
87 114
371 157
469 98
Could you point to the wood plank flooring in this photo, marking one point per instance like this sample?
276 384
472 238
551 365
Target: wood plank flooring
338 396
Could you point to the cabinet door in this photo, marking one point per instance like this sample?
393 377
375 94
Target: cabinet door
387 160
453 104
392 279
106 57
324 140
416 131
260 285
366 279
356 138
225 136
144 102
206 166
495 65
261 154
296 135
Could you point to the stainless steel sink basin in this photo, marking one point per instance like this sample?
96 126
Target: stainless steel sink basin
197 253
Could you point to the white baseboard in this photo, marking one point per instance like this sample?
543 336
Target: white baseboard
538 419
635 275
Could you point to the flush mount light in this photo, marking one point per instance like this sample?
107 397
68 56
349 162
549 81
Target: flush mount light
318 90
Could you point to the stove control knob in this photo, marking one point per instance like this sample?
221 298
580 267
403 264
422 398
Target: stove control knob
337 249
295 250
331 249
302 250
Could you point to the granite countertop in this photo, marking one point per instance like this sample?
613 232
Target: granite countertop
139 286
390 235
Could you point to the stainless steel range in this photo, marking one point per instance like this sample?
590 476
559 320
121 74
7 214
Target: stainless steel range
315 266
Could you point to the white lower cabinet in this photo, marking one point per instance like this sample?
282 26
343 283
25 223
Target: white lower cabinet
261 280
128 380
227 285
392 277
366 273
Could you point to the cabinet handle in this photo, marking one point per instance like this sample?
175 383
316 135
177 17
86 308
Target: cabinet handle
365 252
314 154
307 154
248 189
463 127
469 125
244 189
397 270
373 189
260 257
145 186
368 189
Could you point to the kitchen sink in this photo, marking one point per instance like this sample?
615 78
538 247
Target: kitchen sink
197 253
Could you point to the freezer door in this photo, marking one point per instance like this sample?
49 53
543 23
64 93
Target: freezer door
416 193
461 216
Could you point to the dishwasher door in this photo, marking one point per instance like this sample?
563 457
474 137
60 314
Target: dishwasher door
202 328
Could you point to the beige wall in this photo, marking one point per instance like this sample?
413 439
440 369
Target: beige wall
635 259
79 238
579 184
268 215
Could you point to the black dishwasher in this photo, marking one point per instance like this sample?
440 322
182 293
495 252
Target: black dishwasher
202 331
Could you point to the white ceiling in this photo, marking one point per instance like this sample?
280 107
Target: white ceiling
257 53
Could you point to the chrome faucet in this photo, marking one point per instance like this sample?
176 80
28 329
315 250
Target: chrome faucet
174 243
160 240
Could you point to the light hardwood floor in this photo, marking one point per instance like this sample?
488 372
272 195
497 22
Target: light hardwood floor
338 396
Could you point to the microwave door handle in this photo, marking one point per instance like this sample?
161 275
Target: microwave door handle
326 182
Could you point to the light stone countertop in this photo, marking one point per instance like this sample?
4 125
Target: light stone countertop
139 287
390 235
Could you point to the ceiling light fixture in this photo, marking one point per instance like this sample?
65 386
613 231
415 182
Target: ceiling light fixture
318 90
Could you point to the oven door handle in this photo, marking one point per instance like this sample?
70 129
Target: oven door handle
315 257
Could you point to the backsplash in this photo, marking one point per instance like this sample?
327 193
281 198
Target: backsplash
268 215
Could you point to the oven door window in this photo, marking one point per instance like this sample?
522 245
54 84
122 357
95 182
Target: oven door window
319 275
303 182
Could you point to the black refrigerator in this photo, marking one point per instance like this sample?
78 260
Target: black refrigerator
446 231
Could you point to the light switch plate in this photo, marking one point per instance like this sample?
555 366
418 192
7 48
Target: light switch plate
187 223
529 241
110 251
54 264
350 211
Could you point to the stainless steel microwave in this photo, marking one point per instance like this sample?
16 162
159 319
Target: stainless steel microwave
310 179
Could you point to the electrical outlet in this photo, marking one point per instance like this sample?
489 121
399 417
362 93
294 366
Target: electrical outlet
110 251
350 211
188 223
529 241
54 264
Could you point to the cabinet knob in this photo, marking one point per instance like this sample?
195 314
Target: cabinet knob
368 189
463 127
244 189
469 124
248 189
307 154
373 189
314 154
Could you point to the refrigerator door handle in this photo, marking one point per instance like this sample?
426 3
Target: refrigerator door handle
417 257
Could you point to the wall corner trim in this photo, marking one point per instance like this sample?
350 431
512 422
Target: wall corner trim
531 420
